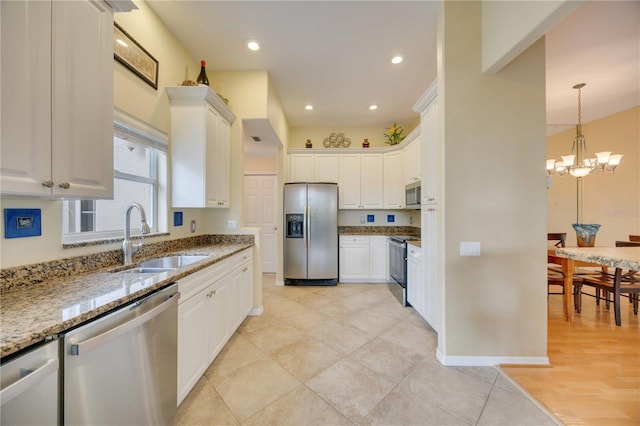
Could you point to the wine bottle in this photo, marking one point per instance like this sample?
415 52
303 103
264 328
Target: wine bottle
202 77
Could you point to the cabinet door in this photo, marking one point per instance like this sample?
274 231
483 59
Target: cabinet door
218 318
411 162
415 289
220 165
25 152
354 258
301 168
371 181
349 181
82 99
326 168
235 282
393 183
247 289
193 360
431 154
430 263
378 258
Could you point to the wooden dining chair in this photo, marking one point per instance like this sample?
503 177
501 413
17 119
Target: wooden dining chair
614 285
555 277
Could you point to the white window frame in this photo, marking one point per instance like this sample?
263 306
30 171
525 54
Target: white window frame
130 128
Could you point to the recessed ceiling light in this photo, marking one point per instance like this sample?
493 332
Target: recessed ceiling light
253 45
308 107
397 59
373 107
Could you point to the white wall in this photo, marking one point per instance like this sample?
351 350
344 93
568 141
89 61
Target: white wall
494 304
359 217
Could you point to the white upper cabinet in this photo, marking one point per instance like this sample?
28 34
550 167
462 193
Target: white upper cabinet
200 138
361 181
313 168
371 181
301 168
394 197
325 168
57 99
411 162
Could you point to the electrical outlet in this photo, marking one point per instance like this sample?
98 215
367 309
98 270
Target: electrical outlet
193 226
469 248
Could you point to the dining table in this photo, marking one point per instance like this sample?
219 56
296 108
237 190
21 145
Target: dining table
571 257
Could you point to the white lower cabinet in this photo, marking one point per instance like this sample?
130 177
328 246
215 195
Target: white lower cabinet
213 303
415 283
363 258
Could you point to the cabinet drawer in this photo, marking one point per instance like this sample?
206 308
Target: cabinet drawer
191 285
354 239
414 252
240 258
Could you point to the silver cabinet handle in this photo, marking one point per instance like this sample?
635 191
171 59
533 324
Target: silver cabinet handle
48 183
94 342
18 387
65 185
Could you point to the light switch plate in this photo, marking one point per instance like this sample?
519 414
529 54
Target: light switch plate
469 248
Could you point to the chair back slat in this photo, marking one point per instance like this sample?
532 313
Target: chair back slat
635 238
559 237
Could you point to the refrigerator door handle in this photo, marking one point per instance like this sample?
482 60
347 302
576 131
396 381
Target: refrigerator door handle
308 226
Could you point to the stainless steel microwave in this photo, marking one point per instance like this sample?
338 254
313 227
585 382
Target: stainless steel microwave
413 194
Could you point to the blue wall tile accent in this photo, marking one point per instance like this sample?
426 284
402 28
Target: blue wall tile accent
371 218
177 218
391 218
20 223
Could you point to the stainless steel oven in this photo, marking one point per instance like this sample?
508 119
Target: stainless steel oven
398 266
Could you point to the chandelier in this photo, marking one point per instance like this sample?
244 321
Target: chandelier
578 163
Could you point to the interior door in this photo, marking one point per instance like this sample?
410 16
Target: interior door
260 210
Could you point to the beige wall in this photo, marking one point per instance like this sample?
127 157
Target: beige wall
504 39
494 304
612 200
299 135
261 164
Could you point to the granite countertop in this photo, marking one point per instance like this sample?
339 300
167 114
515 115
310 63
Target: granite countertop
417 243
32 313
616 257
378 230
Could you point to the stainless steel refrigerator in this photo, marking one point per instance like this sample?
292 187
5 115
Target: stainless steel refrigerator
311 234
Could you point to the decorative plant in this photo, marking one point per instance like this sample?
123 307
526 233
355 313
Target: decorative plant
395 135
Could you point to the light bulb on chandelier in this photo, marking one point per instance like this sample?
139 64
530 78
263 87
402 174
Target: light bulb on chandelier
578 164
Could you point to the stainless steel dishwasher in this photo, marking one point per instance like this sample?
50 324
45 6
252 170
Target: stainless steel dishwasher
122 368
29 382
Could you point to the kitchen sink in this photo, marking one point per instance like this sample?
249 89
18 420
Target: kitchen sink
162 264
171 262
139 270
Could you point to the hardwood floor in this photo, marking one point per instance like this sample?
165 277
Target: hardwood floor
594 377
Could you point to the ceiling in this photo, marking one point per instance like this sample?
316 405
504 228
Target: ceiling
336 55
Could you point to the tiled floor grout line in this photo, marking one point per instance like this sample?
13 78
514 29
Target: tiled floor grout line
278 312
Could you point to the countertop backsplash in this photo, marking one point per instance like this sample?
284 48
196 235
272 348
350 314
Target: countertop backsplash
24 275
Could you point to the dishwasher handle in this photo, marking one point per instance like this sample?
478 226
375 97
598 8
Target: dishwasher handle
31 378
88 345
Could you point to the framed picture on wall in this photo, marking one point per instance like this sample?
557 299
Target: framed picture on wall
132 55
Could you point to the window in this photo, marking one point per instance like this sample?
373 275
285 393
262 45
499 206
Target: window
139 161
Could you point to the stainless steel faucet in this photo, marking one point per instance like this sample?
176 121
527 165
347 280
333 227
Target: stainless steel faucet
128 248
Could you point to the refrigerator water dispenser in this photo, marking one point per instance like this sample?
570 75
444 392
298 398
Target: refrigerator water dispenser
295 225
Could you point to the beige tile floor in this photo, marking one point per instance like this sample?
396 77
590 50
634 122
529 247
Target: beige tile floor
346 355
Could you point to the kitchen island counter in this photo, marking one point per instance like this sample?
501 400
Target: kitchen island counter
33 313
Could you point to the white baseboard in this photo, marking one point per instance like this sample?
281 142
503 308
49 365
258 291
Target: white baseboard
256 312
456 360
280 283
